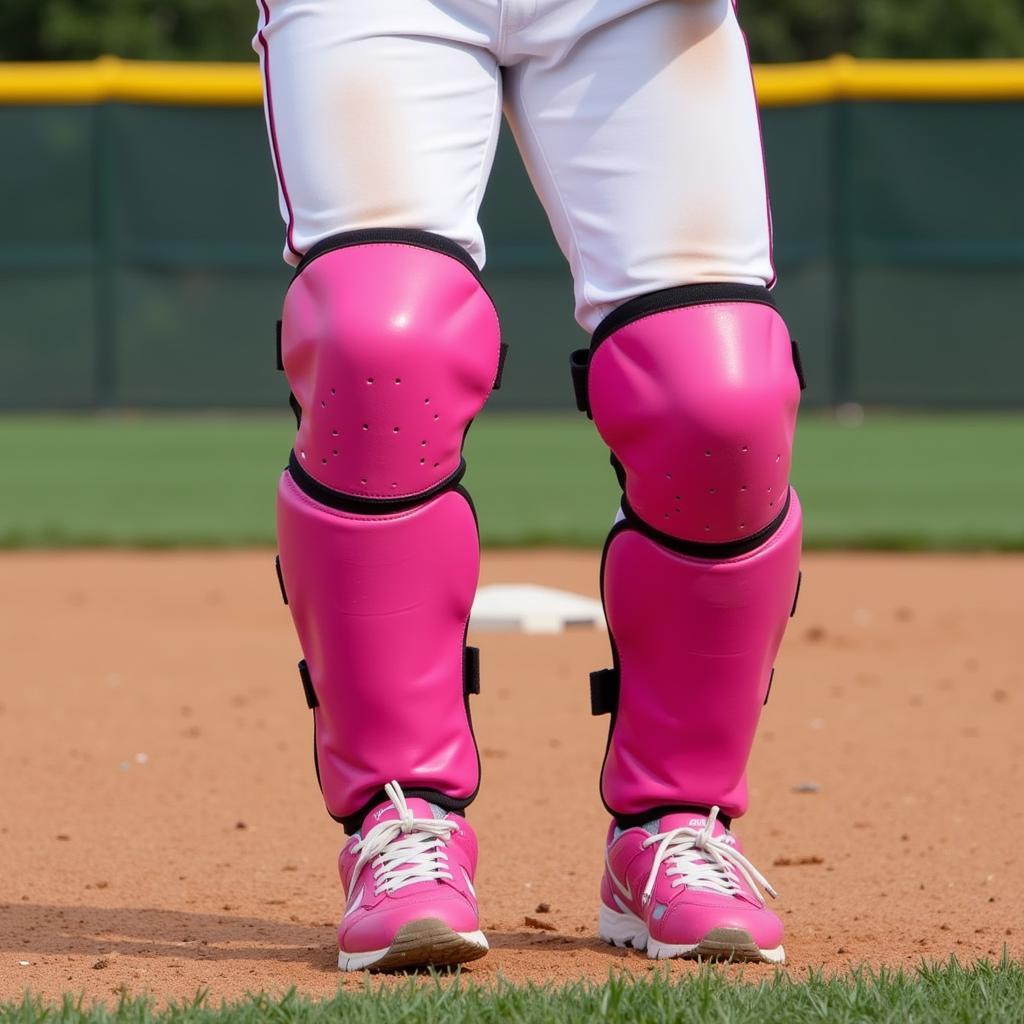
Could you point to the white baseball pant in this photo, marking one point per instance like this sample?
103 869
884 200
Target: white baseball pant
636 121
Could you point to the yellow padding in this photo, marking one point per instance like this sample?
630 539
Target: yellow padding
778 85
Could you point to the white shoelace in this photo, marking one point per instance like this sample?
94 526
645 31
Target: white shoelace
700 860
419 856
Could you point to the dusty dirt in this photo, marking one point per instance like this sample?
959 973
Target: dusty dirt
161 828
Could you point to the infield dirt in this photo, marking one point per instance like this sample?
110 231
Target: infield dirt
161 828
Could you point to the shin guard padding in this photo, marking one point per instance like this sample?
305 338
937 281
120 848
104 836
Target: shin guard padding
391 347
390 351
699 405
380 604
695 641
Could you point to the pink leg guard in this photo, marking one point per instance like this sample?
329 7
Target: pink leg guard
695 390
391 347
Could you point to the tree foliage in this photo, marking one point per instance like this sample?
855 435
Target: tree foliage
792 30
141 29
778 30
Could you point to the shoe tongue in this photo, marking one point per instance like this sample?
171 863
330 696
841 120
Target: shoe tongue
387 811
689 819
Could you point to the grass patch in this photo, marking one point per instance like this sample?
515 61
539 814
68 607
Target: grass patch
895 482
992 993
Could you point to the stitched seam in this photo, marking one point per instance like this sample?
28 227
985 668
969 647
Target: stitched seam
353 516
490 148
553 182
679 309
736 559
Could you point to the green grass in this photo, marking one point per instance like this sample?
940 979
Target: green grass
948 993
896 481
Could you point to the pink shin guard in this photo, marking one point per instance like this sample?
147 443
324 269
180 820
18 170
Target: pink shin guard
695 390
391 347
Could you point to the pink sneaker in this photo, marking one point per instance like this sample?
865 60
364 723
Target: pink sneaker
680 886
408 875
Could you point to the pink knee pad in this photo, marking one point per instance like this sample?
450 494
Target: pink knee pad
391 347
695 390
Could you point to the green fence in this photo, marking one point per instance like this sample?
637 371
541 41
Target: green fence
140 254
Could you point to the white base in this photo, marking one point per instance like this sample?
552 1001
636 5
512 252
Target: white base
530 608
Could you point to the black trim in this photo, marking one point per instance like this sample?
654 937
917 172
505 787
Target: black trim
459 489
798 364
700 549
366 506
354 821
502 355
641 819
470 670
619 470
579 367
678 298
395 236
307 686
660 302
280 354
796 596
293 404
768 692
616 669
280 578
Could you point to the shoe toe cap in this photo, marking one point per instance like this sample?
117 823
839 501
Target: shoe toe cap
375 927
686 921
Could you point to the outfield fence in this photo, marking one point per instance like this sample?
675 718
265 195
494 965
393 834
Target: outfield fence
140 255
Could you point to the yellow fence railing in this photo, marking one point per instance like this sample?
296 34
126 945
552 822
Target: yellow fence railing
778 85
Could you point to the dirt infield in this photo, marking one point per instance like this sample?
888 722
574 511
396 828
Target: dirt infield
161 828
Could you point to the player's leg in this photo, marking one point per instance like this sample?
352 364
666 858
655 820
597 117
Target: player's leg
643 141
383 132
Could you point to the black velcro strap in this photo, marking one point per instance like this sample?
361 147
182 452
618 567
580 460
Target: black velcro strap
604 691
280 578
579 365
280 355
296 409
768 692
798 364
796 596
307 686
471 670
502 353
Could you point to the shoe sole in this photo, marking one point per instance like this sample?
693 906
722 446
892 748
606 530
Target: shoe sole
426 943
735 944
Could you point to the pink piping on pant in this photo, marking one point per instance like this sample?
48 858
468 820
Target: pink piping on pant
272 127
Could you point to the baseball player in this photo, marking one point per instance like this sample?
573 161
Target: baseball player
638 125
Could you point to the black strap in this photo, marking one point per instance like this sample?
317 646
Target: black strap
280 355
798 364
293 402
796 596
768 692
471 670
280 578
502 353
604 691
579 364
307 686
